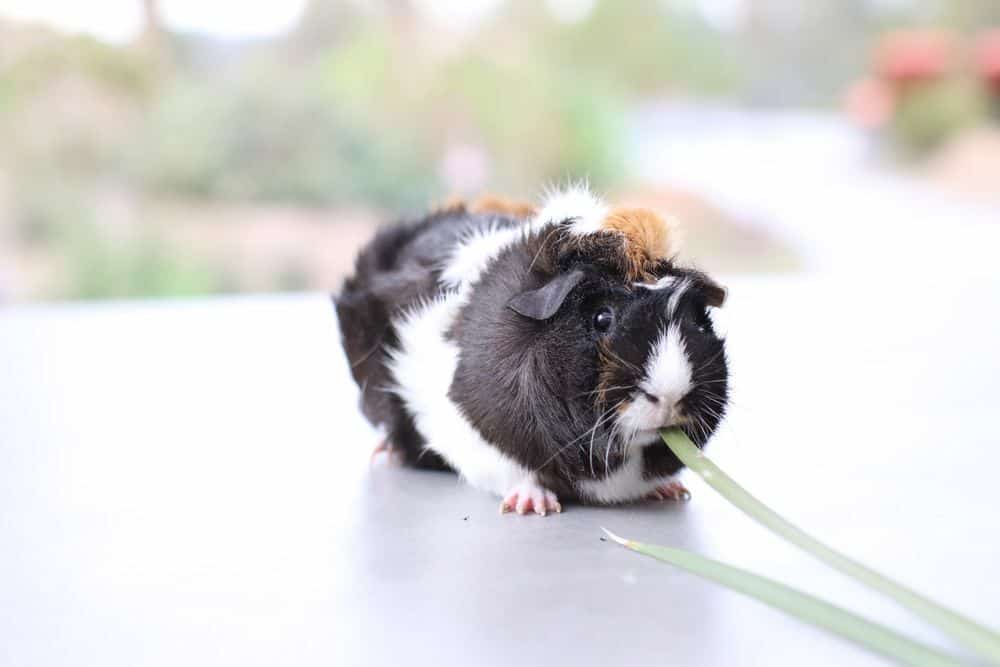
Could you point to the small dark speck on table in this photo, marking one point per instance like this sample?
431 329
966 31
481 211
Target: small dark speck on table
465 518
603 539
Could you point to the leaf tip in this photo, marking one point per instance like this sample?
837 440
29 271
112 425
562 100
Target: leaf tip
614 538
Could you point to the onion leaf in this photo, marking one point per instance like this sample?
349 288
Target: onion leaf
979 638
803 606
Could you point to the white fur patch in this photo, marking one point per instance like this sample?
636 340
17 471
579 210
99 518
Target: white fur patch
662 283
668 370
424 363
474 253
624 484
423 366
667 376
675 297
576 202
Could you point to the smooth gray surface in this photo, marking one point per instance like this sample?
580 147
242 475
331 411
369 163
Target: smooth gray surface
188 483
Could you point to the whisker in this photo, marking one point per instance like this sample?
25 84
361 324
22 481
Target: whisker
710 361
712 412
598 391
367 355
590 454
601 419
630 440
607 458
706 431
699 423
608 351
604 416
715 400
611 412
542 247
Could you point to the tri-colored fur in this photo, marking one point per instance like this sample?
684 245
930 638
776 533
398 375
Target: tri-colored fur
649 239
536 352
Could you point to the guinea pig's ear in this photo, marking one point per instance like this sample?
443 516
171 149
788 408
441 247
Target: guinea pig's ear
542 303
715 294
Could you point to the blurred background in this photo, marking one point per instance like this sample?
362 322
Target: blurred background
179 147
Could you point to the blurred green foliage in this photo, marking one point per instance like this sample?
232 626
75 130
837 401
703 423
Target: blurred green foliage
35 66
927 116
98 269
642 50
42 206
364 104
272 141
371 104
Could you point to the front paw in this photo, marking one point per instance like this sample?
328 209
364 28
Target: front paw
530 496
671 490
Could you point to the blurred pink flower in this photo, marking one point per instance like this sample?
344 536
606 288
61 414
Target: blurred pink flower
870 103
910 56
987 58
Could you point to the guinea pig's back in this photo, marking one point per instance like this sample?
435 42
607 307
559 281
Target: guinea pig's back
399 268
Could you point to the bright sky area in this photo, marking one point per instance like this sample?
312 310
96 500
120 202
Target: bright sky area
120 20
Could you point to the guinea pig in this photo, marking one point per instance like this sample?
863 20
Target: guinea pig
536 353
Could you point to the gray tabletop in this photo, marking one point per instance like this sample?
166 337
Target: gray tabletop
188 483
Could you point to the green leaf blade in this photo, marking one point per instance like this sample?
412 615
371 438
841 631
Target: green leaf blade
981 639
802 606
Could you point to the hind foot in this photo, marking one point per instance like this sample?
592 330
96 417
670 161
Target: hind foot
385 447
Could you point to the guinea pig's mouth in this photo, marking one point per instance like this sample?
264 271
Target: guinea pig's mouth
643 421
646 437
651 436
646 413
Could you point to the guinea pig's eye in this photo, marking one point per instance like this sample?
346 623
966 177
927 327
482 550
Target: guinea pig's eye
604 319
704 323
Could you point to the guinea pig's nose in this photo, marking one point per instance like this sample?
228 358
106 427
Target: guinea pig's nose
671 399
669 406
682 407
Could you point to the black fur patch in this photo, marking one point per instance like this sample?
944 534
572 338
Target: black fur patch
543 391
396 270
519 379
546 392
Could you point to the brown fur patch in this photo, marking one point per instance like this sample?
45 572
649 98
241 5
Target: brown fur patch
605 377
452 203
649 239
609 366
494 204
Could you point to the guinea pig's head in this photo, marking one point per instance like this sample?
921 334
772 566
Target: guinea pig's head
639 343
660 361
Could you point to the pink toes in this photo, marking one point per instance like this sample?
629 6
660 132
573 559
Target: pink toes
529 496
385 447
670 491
